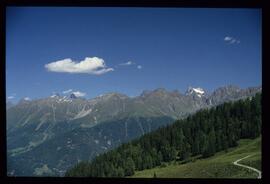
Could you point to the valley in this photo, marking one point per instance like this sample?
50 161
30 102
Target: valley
61 129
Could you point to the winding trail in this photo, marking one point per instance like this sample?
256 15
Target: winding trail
248 167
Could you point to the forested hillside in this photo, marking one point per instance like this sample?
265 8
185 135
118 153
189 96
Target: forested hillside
202 134
221 165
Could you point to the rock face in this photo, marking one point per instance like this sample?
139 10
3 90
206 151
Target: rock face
72 96
47 136
195 91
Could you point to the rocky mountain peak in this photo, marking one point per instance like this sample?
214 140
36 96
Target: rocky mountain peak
229 89
72 96
113 95
195 91
56 95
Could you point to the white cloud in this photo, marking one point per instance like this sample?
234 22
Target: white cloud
227 38
79 94
11 97
127 63
94 66
131 63
231 40
67 91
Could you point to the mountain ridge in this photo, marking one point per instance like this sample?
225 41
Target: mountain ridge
32 123
189 91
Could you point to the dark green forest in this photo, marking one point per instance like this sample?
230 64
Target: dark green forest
202 134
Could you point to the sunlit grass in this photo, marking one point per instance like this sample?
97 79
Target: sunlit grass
218 166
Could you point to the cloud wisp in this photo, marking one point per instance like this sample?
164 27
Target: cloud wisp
67 91
231 40
11 97
127 63
94 66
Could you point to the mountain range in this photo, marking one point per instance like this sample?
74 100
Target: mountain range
49 135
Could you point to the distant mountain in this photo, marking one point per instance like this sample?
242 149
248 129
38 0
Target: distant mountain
199 136
195 91
70 125
72 96
231 92
9 104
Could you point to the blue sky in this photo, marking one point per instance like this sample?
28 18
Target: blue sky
128 50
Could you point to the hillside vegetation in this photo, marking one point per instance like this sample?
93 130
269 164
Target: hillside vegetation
201 135
218 166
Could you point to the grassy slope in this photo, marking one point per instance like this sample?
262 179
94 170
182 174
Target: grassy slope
218 166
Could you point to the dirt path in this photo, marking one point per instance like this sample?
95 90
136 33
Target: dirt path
248 167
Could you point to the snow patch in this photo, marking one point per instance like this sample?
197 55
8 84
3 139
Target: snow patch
27 120
65 100
199 90
27 99
83 113
109 142
42 121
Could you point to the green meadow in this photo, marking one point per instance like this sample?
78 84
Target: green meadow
218 166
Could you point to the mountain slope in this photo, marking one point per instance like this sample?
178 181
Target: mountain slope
65 150
35 124
9 104
218 166
202 134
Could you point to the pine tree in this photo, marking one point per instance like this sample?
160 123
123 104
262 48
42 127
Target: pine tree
129 167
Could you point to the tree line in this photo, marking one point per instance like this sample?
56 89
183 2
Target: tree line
202 134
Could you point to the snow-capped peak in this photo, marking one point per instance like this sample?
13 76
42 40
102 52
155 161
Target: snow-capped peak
198 91
27 99
55 95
